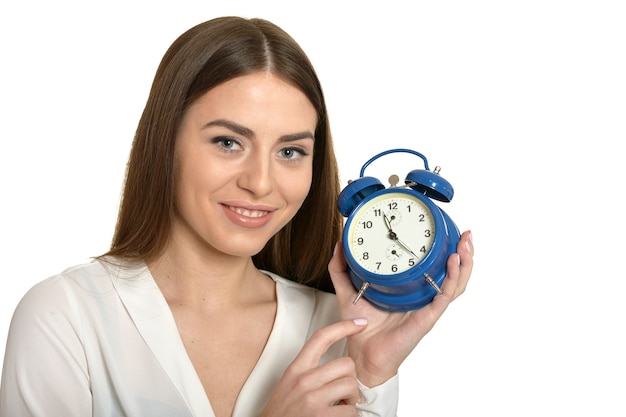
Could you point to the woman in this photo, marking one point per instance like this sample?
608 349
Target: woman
216 297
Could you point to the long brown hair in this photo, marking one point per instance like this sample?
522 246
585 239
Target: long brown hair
200 59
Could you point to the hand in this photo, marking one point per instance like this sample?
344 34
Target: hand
390 337
310 390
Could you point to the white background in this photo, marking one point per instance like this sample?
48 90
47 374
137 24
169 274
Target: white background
522 104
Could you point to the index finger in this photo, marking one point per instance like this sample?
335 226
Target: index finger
324 338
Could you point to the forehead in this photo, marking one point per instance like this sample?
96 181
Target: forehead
261 94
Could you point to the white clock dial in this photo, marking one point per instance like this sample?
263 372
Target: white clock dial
391 233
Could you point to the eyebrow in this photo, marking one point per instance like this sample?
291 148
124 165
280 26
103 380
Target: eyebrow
248 133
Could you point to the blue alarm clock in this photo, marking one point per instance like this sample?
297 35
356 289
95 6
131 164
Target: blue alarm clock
396 240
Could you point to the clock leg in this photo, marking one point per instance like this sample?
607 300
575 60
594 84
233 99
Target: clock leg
433 284
362 290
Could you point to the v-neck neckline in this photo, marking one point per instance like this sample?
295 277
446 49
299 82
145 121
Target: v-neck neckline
155 322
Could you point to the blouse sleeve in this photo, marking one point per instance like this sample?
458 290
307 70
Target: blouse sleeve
379 401
45 371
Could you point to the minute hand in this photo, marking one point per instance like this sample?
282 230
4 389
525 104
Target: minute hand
404 246
393 236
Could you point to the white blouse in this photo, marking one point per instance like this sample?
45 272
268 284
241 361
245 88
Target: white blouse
100 340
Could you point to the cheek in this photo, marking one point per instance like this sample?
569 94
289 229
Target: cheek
297 188
192 178
306 188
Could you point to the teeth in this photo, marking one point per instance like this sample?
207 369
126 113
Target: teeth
248 213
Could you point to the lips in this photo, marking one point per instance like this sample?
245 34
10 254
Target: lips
247 216
248 213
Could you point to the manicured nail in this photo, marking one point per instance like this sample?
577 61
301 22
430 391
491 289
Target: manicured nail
360 322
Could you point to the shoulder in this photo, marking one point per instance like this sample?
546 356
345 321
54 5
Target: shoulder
51 312
67 292
57 287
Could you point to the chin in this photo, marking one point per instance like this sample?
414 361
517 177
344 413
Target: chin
245 248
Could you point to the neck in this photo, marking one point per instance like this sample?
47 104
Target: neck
209 281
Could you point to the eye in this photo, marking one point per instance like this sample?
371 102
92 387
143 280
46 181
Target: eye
292 153
226 143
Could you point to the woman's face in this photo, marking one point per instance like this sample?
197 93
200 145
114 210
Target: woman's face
244 158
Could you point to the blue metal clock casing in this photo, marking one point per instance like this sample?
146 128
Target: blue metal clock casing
416 286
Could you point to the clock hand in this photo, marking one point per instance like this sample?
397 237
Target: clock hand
404 246
387 223
393 236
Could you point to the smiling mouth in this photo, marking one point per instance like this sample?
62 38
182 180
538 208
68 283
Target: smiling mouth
248 213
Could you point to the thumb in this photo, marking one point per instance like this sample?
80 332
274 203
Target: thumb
338 270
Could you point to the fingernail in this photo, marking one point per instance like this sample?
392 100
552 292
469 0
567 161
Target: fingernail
360 322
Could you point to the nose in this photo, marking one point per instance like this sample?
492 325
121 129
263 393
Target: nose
256 175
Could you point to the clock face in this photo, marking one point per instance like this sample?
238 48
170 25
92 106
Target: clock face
391 233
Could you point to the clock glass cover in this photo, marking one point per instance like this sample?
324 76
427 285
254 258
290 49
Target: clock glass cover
391 233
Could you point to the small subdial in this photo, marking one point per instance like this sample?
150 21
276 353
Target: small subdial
394 217
394 252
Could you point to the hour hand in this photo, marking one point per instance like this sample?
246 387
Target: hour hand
387 223
392 234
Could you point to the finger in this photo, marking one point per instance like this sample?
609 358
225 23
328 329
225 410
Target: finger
453 275
466 252
332 383
458 270
341 391
339 369
341 410
463 264
327 385
440 302
467 240
313 350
